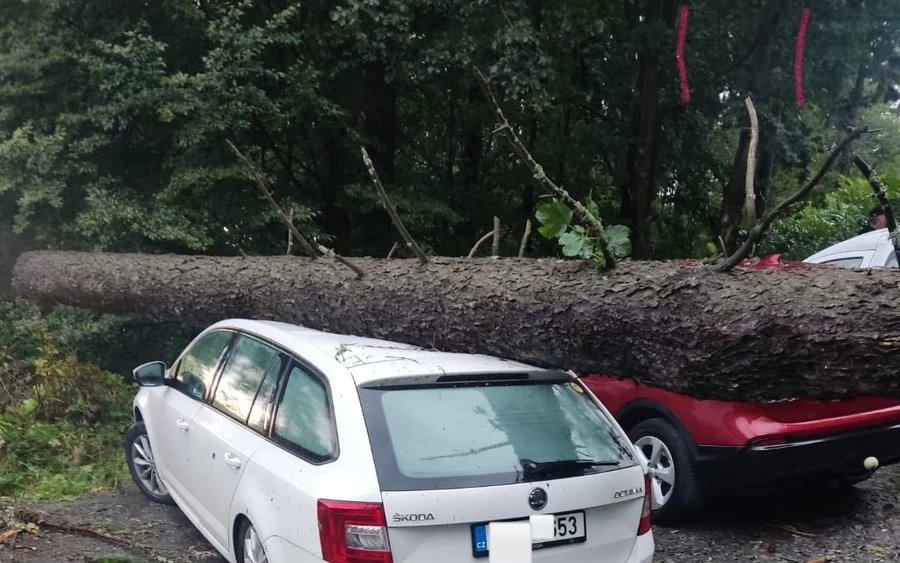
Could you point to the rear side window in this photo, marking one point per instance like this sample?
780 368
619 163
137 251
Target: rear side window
265 397
854 262
242 377
441 437
197 369
304 420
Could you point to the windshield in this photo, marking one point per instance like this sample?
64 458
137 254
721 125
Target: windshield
440 437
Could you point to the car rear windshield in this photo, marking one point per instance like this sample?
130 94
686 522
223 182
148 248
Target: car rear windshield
482 434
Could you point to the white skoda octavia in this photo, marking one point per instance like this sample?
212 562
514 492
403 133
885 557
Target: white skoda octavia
289 445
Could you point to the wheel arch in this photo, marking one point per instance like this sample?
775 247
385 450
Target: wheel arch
239 520
639 410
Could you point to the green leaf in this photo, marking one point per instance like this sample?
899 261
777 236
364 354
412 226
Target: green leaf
619 241
554 217
575 243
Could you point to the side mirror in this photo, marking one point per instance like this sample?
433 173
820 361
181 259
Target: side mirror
151 374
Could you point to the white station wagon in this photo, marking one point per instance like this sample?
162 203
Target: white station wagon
289 445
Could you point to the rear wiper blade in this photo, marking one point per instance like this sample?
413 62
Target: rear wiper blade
536 468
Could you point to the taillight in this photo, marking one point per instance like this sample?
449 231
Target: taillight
353 532
645 524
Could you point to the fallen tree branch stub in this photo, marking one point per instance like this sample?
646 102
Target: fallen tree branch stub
391 209
479 242
267 194
751 161
525 235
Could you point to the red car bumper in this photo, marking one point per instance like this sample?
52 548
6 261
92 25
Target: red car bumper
773 463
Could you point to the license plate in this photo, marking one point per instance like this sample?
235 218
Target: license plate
568 528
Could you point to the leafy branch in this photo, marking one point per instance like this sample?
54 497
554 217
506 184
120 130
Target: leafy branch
586 241
578 241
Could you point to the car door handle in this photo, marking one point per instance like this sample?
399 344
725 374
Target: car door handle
182 424
232 460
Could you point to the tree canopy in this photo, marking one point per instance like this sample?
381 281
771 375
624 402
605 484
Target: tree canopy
114 115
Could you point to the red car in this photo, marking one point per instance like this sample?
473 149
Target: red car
696 447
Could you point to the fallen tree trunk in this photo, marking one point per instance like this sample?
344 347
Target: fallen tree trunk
753 335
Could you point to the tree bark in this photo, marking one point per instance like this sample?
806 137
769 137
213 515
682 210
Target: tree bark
748 335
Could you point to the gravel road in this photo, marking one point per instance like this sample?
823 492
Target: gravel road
860 527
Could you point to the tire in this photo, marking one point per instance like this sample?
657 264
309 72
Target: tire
142 465
675 488
245 532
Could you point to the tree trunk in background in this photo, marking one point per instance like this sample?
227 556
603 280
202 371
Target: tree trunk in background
640 188
473 143
380 108
334 220
734 196
531 192
735 192
809 332
848 115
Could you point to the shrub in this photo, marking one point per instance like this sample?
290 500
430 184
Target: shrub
61 419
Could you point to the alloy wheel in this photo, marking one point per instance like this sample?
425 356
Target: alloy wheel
145 466
662 469
253 547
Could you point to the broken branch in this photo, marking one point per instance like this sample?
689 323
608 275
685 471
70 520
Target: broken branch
287 221
758 232
332 254
392 211
880 192
261 184
525 236
751 161
522 152
495 247
40 522
479 243
290 234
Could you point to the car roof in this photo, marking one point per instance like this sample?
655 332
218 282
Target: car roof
369 359
864 242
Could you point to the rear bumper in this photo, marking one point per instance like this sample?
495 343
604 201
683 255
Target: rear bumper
643 549
831 456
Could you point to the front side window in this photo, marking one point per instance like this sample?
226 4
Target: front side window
197 368
443 436
304 421
242 377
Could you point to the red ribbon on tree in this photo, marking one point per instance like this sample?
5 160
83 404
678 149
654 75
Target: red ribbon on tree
679 54
798 58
